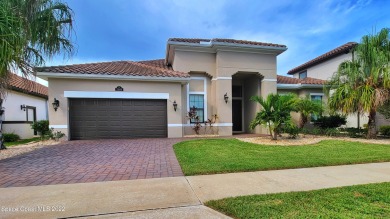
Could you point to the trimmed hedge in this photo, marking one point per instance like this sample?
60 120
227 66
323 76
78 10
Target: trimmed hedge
10 137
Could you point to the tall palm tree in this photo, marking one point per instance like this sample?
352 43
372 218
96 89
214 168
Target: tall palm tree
30 31
362 84
276 111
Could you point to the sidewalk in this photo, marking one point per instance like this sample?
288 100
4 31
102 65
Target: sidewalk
177 197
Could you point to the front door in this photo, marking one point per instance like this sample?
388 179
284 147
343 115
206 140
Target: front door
237 115
237 98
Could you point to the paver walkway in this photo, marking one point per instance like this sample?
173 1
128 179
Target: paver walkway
177 197
92 161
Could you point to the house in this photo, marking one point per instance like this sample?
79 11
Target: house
125 99
24 103
305 87
323 67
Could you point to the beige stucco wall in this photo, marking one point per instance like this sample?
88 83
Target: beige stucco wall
58 86
221 66
189 61
326 69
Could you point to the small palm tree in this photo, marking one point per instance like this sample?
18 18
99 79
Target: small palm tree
363 84
306 107
276 111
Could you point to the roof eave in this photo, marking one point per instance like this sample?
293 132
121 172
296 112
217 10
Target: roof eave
46 75
24 91
298 86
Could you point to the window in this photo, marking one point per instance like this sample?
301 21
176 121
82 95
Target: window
303 75
316 97
197 101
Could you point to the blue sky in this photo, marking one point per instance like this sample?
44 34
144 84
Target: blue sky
138 30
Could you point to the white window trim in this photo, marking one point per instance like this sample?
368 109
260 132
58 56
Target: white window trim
204 93
115 95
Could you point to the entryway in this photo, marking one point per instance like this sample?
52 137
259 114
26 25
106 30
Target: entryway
244 86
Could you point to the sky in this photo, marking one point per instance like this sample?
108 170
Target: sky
108 30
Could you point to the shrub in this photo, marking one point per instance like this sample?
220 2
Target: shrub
332 132
55 135
291 129
333 121
10 137
385 130
312 131
354 132
42 127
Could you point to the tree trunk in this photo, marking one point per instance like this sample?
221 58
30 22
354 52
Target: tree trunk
302 121
371 125
2 146
275 135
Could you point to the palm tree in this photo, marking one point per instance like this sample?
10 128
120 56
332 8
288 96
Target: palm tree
30 31
306 107
276 111
362 84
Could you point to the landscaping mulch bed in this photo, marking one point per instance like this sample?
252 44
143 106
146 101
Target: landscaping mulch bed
307 139
24 148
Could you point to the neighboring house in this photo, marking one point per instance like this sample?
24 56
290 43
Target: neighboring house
125 99
25 102
323 67
306 87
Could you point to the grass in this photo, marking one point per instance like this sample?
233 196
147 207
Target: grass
363 201
210 156
23 141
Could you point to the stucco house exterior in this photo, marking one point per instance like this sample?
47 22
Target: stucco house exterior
323 67
24 103
124 99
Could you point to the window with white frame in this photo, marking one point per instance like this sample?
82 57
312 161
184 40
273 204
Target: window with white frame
315 97
197 97
197 101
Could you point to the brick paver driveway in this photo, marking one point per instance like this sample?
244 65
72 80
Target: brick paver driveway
91 161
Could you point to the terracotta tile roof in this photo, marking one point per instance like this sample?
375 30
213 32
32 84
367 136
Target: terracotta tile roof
289 80
128 68
333 53
160 63
232 41
24 85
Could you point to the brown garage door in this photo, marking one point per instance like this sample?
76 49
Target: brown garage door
117 118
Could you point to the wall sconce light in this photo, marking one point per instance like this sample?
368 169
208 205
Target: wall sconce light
23 107
226 98
56 104
174 105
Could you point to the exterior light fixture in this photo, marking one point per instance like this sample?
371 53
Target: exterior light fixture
174 105
226 98
23 107
56 104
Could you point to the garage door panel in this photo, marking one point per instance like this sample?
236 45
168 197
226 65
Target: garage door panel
117 118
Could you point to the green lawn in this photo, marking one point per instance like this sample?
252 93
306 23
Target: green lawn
23 141
363 201
209 156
